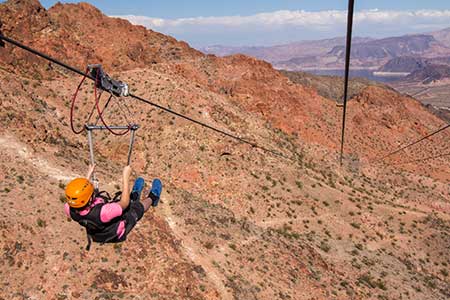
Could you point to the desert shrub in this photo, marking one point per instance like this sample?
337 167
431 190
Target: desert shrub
41 223
324 246
356 225
20 179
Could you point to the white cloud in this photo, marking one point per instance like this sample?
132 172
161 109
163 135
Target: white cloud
298 24
279 18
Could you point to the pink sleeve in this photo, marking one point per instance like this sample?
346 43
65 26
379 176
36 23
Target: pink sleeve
110 211
67 209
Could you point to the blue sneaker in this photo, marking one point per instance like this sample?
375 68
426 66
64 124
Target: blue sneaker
155 192
137 189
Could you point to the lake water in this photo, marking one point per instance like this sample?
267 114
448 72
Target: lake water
357 73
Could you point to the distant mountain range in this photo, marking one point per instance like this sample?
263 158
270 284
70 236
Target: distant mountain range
367 53
283 52
417 65
443 36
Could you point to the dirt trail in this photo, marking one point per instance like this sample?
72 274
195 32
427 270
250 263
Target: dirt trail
190 248
19 151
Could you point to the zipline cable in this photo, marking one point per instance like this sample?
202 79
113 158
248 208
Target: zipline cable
2 37
413 143
351 5
422 159
208 126
55 61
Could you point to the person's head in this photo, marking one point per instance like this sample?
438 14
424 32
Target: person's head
79 192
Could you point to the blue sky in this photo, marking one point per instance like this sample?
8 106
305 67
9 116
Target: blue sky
270 22
194 8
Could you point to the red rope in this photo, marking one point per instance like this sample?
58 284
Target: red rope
73 104
100 113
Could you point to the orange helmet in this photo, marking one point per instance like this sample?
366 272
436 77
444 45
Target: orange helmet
79 192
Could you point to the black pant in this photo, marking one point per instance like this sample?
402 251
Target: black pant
132 214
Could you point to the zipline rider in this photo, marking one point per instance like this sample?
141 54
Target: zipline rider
106 221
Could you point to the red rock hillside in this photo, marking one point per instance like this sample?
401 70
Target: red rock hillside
234 221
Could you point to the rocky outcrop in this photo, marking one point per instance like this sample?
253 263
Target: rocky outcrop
388 47
406 64
429 74
80 34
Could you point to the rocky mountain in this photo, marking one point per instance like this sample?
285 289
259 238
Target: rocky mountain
432 90
388 47
331 87
274 54
443 36
370 54
57 29
405 64
430 73
231 215
387 60
426 79
328 54
440 60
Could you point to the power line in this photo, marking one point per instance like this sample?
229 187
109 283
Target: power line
84 74
351 5
413 143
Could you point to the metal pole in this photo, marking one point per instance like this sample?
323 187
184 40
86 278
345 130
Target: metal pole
95 127
91 146
133 131
351 5
91 152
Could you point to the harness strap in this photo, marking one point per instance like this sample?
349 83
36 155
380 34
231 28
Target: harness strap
117 197
89 239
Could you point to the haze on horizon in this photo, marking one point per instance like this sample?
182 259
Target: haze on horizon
264 23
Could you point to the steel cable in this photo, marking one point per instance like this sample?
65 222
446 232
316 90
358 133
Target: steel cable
413 143
254 145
